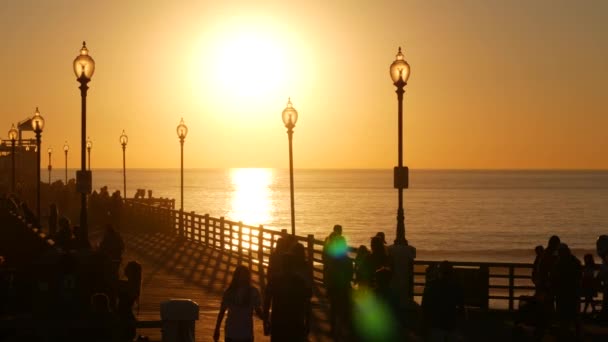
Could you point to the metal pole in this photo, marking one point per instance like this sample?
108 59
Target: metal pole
89 152
13 164
83 167
293 217
124 171
400 212
50 168
66 168
38 176
181 206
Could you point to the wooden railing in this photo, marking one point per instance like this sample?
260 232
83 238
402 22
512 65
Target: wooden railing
487 285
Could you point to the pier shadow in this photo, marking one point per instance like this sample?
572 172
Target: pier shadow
202 268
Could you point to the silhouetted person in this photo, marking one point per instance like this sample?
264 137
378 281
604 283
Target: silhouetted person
379 257
116 208
64 236
382 237
442 304
565 284
544 293
300 265
589 284
402 260
338 276
390 300
241 299
103 321
538 251
327 243
53 219
601 246
363 268
112 247
289 296
128 295
277 259
80 241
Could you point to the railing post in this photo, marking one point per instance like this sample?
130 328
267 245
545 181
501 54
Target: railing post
207 229
511 286
311 255
250 249
240 235
261 258
192 216
222 233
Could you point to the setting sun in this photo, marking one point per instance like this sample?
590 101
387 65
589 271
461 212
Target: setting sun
249 64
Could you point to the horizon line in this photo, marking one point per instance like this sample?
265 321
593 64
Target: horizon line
356 169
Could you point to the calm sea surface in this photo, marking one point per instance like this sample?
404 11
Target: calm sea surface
456 215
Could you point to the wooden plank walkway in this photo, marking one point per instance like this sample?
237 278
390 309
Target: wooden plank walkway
181 269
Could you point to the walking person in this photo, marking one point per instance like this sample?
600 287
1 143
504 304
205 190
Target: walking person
289 297
338 276
565 285
589 283
241 300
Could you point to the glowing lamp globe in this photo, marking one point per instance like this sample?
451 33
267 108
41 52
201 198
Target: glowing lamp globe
84 65
400 70
89 143
123 138
12 133
37 122
290 115
182 130
66 147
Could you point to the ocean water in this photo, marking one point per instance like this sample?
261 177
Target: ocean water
454 215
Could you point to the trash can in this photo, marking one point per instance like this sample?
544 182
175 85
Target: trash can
178 316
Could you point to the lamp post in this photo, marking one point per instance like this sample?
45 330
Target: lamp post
290 117
400 72
66 148
123 141
50 151
12 135
182 131
89 146
84 67
37 126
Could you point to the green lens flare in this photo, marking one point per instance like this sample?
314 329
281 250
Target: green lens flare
373 318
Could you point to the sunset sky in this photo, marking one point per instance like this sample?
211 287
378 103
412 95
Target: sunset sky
494 84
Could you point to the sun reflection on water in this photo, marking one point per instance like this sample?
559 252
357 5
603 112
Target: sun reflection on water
251 202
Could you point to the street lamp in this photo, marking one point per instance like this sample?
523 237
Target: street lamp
182 131
89 146
50 151
400 72
37 126
84 66
66 148
290 117
12 135
123 141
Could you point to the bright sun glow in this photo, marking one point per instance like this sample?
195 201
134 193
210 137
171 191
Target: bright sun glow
241 71
251 202
247 64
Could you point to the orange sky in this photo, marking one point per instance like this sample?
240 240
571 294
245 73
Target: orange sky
495 84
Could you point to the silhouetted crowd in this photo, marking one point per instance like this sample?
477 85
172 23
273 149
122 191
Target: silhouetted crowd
561 282
74 287
79 288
